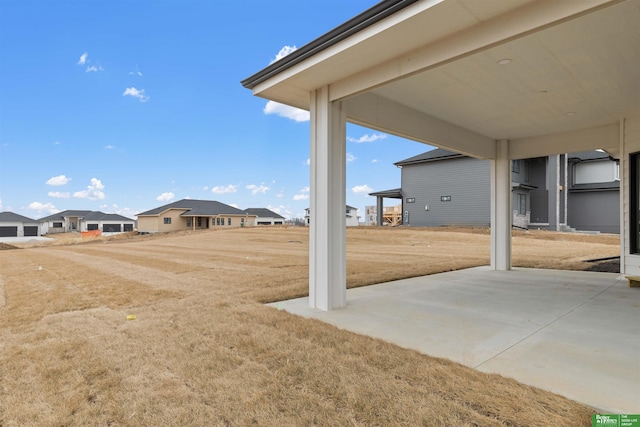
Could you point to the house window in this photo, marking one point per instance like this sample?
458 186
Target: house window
515 166
228 221
522 204
57 225
188 222
411 200
634 203
166 220
525 165
128 227
91 227
199 222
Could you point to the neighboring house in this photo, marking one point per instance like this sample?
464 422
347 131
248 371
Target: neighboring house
352 218
391 215
80 220
579 190
14 225
189 214
265 216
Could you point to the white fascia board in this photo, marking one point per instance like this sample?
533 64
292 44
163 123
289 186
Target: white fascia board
279 81
494 32
379 113
565 142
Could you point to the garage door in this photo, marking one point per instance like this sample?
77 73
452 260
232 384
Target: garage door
31 230
111 228
9 231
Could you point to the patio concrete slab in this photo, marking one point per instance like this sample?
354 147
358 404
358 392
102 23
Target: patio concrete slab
573 333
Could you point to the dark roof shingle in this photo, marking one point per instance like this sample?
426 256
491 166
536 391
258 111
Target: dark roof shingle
195 208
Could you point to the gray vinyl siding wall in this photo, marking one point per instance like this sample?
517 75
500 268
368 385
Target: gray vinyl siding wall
538 197
466 180
595 211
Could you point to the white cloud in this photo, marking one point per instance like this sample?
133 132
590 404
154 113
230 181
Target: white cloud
300 197
205 188
220 189
367 138
280 195
166 197
362 189
281 209
286 50
58 180
109 147
308 162
57 143
350 157
234 205
1 208
59 194
93 191
255 189
83 58
136 93
286 111
94 68
305 190
135 73
374 161
43 208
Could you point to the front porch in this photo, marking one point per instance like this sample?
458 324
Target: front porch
570 332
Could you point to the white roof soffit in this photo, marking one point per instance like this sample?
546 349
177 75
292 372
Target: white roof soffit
574 65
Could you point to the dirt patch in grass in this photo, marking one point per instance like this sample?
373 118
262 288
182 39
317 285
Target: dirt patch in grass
204 350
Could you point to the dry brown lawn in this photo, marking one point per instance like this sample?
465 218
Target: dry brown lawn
204 350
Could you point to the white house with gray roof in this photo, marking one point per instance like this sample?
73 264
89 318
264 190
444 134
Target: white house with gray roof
190 214
14 225
265 216
83 220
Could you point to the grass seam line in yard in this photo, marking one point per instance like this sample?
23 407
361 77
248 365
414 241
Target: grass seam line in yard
546 325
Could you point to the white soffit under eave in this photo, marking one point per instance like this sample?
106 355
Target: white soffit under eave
405 31
423 35
589 66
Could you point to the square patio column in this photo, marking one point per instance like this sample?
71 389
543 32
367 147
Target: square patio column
501 208
379 210
327 228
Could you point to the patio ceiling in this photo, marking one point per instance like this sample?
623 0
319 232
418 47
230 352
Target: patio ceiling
432 72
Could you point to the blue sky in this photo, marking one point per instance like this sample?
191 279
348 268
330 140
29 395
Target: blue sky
123 106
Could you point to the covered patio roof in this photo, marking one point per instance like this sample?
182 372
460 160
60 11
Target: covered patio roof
549 76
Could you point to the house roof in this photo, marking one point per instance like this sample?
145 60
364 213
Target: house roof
63 214
196 208
395 193
588 155
263 212
86 215
14 217
356 24
463 74
429 156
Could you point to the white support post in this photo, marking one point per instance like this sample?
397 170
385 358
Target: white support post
501 208
327 228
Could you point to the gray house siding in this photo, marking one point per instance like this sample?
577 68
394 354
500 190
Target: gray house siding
469 192
538 197
595 210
